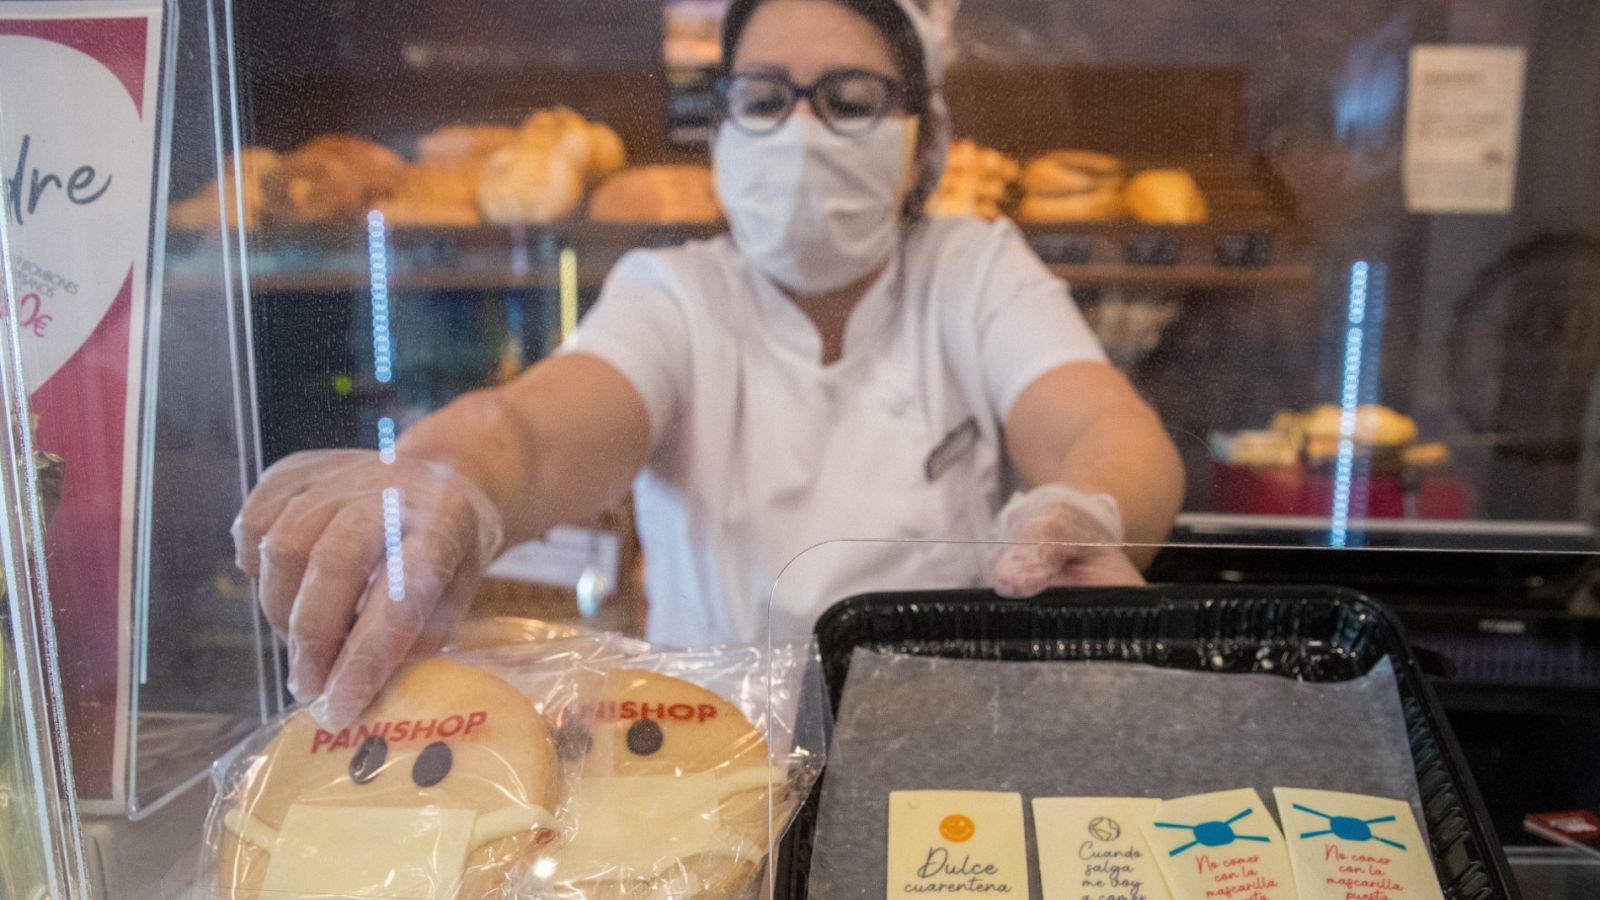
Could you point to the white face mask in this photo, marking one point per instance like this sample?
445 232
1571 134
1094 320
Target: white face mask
637 826
390 852
814 210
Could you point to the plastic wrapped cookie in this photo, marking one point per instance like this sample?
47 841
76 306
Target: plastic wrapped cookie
669 795
447 782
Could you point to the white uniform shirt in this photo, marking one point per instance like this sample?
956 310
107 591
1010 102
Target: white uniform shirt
761 452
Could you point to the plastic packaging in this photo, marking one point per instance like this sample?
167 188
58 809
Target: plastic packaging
582 767
681 770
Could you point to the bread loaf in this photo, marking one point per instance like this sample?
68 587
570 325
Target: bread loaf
212 204
335 176
1071 172
1099 205
1165 197
657 195
529 183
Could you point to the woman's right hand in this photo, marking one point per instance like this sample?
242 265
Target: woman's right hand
359 563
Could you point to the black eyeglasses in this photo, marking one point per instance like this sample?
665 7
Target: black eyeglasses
848 101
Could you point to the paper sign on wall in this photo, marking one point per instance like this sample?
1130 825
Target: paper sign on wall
956 842
1347 846
1092 848
1463 124
1222 845
78 138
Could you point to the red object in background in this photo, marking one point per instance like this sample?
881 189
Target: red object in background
1578 829
1297 491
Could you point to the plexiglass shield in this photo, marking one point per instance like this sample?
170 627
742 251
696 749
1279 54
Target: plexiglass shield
365 360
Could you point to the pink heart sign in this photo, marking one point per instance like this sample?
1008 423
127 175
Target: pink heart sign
76 159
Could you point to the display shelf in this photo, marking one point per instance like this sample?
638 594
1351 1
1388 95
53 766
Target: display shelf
1275 276
449 278
335 259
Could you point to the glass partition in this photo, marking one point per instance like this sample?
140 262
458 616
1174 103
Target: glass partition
1347 254
133 658
1343 341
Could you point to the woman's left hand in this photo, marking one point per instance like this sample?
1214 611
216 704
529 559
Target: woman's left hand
1060 537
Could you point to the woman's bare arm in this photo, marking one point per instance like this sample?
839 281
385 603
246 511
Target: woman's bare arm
559 444
1085 426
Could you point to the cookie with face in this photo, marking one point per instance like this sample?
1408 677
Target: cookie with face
669 786
447 781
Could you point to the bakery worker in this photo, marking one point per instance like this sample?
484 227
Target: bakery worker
837 367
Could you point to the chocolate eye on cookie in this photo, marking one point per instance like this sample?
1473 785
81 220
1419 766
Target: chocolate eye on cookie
573 740
645 737
368 759
432 764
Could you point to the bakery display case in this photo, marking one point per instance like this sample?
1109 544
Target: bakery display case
1361 296
1233 201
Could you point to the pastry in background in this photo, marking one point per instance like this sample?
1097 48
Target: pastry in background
1071 172
1072 186
961 202
969 158
529 183
540 176
205 209
1165 197
449 161
409 212
975 180
455 144
657 195
335 176
1089 206
441 190
594 148
1315 434
435 193
606 153
1374 427
1426 456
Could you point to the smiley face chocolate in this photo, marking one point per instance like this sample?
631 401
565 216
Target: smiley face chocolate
444 784
670 787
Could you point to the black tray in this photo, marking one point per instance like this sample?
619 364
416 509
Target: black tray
1312 633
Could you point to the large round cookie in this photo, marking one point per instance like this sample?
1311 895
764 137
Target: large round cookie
446 782
670 786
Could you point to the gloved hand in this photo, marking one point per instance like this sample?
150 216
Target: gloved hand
1058 536
359 563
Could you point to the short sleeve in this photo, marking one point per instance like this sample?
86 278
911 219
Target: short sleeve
1028 323
638 326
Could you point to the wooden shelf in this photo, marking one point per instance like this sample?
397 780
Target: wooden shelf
449 279
1282 275
499 258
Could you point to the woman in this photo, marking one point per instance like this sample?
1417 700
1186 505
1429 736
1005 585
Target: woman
836 368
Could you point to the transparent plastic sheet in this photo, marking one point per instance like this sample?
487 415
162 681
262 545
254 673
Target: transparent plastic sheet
1101 689
591 766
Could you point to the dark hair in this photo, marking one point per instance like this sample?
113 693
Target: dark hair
909 62
885 15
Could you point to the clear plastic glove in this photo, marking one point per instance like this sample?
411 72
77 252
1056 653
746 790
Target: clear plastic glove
1059 537
361 562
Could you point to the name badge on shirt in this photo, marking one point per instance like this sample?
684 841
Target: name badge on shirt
958 443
